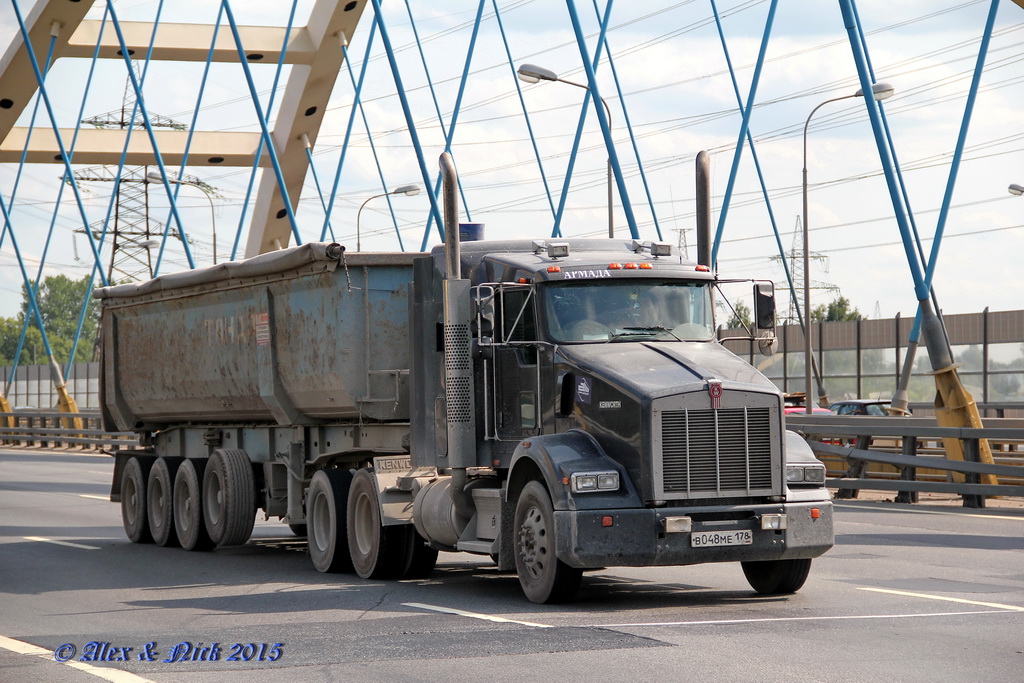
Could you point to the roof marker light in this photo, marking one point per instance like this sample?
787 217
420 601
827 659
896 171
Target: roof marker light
630 266
614 266
702 268
554 269
646 266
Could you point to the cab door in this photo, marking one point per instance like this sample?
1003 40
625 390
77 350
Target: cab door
517 396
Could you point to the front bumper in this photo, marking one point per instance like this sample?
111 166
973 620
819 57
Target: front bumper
637 537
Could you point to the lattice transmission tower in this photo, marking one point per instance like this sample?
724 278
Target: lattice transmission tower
132 233
795 259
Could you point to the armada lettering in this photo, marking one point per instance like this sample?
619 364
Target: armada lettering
581 274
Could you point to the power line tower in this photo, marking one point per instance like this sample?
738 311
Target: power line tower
795 259
132 233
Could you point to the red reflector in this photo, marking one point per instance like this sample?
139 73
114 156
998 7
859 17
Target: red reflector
554 269
702 269
607 520
630 266
614 266
646 266
815 513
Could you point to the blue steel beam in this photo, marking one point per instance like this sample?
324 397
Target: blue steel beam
744 127
602 117
396 74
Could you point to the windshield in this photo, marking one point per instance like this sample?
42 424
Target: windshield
628 310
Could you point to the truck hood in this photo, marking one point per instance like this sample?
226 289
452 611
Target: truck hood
655 369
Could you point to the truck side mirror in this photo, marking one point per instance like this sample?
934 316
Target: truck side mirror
484 309
764 317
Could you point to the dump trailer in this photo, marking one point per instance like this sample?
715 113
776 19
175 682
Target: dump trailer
556 405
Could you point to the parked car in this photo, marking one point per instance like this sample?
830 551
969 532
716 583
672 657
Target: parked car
861 406
794 403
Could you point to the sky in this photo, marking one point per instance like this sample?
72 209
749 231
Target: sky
679 99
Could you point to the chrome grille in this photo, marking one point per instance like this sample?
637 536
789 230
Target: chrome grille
719 451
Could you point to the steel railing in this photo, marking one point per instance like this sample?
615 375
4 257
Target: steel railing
53 429
910 458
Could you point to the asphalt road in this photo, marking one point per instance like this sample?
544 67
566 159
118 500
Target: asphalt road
910 593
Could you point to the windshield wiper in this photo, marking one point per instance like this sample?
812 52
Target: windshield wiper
644 331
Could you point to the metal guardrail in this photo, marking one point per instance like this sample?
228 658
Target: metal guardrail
911 436
58 430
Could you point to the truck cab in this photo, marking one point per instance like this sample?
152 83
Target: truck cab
599 375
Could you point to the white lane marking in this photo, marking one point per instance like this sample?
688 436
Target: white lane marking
927 512
113 675
105 499
776 619
474 615
1012 608
66 543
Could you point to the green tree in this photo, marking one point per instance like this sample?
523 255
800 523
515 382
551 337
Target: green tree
837 311
60 301
740 318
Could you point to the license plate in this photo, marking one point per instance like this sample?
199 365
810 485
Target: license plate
705 539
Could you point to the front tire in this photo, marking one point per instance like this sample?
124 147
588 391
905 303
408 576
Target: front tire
543 577
159 494
326 520
377 551
134 483
187 502
777 577
229 497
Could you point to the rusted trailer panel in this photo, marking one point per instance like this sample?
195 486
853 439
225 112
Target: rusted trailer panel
294 337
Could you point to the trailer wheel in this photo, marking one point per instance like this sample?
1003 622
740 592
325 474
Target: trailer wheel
378 552
543 577
326 526
134 482
159 493
420 557
777 577
229 497
187 502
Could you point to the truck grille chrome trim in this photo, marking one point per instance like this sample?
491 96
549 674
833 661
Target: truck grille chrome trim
716 452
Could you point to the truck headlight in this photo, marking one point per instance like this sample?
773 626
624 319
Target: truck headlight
805 474
588 482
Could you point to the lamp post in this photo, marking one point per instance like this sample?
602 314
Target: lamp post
407 190
154 176
879 91
531 73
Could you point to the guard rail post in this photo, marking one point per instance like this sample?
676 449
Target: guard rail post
972 453
908 473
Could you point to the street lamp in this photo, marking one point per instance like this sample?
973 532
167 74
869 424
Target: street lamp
531 73
880 91
407 190
1016 189
154 176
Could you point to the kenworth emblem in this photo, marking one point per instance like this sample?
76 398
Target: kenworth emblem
715 392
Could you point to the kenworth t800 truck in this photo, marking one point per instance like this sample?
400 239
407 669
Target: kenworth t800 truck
557 405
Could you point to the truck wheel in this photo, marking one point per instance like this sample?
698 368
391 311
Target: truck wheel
187 502
420 557
378 552
544 578
159 492
229 497
134 482
326 510
777 577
